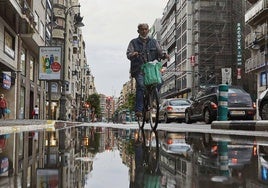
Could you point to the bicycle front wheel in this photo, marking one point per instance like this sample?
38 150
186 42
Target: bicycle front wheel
153 108
142 119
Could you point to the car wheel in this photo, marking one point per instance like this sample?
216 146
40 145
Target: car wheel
166 120
187 118
264 111
207 116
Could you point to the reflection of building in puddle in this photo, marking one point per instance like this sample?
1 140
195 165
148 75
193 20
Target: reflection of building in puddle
176 170
263 163
175 160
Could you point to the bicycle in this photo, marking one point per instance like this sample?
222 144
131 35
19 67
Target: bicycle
147 168
150 111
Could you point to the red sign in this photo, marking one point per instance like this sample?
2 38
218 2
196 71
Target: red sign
55 66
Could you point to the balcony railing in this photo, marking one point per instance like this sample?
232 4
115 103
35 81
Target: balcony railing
255 62
256 9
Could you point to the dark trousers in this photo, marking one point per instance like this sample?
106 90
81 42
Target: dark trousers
2 113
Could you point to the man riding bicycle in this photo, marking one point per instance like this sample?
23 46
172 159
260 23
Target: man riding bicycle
141 50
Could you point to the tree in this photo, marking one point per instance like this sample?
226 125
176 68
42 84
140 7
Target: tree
94 101
131 101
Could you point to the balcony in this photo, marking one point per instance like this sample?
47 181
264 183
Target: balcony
257 12
255 62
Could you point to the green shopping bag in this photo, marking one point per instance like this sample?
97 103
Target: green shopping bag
152 74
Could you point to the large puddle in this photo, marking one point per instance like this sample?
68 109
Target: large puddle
138 158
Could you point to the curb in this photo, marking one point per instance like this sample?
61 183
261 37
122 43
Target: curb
241 125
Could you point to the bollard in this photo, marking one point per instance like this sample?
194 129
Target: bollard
223 116
223 103
223 158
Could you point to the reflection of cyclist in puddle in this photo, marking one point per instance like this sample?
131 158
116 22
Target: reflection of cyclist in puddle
147 172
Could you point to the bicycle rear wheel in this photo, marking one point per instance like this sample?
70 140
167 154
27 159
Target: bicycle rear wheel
153 108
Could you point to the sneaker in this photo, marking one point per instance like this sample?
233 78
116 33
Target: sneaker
138 114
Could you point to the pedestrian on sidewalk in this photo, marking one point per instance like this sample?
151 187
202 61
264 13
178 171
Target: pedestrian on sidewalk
3 106
36 112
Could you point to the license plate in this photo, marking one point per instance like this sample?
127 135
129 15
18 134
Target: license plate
237 112
179 110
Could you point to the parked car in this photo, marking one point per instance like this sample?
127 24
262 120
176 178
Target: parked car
173 109
263 105
204 106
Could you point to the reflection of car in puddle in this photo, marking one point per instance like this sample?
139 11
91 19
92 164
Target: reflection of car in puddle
238 156
239 151
174 143
222 159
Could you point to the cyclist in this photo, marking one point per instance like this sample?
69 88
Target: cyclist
141 50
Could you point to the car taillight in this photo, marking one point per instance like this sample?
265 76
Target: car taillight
213 105
169 141
234 160
214 149
169 108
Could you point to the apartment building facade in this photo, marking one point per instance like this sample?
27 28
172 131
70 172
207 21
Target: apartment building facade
256 41
22 32
203 39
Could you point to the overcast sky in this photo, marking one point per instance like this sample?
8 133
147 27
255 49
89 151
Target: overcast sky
109 26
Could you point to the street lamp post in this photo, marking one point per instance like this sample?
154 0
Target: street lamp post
63 100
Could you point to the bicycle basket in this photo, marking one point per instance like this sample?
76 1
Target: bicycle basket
152 73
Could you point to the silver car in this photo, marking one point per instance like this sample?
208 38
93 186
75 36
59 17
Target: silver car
173 109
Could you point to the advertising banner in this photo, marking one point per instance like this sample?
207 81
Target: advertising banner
226 74
4 163
50 63
6 81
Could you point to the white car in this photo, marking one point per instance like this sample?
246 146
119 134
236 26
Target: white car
174 143
173 109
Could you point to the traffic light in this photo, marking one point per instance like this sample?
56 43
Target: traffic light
108 100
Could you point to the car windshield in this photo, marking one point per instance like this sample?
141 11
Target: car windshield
179 102
238 96
236 90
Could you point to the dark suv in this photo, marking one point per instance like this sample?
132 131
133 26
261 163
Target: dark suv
204 106
263 105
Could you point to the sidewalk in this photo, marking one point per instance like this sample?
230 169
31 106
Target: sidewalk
22 125
254 125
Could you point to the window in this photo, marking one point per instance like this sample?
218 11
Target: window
9 45
36 20
41 30
22 103
21 145
31 68
262 79
23 61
